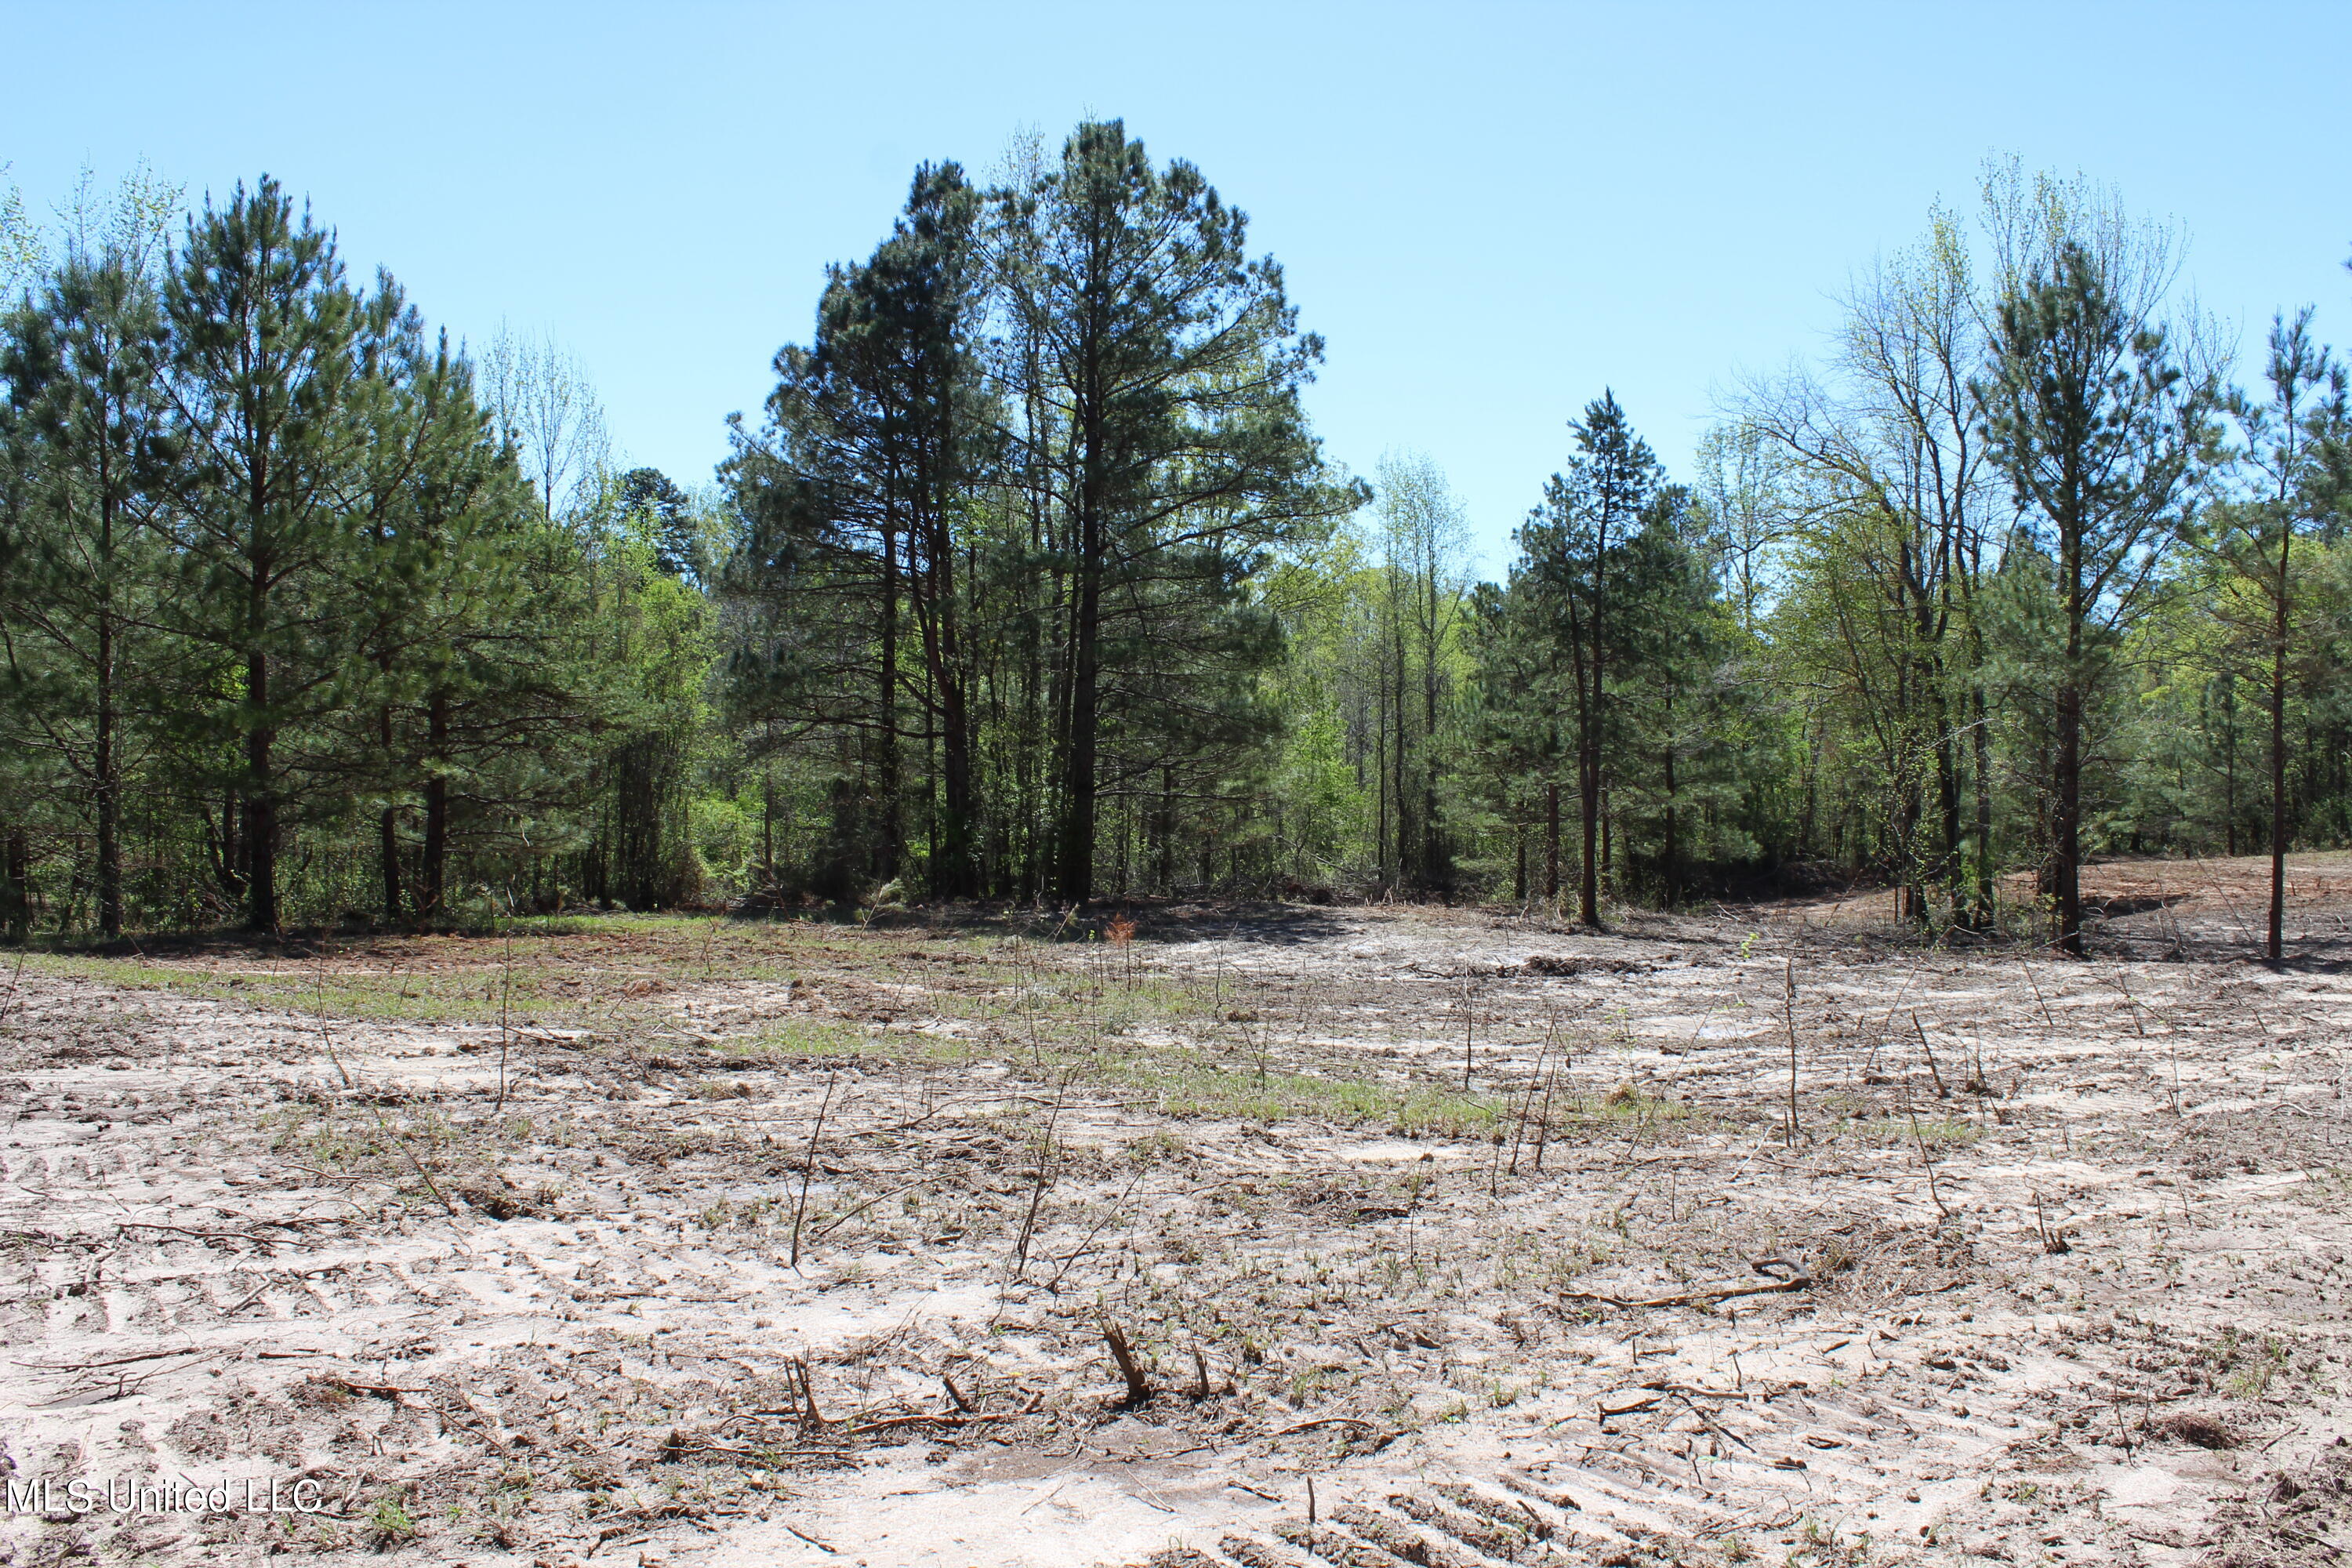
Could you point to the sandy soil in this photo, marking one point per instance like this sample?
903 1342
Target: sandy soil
814 1259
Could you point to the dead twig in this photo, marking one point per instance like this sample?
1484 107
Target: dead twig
262 1242
2130 1006
808 1173
1357 1421
1921 1143
1053 1285
922 1419
1535 1081
2038 1001
2053 1238
15 985
1693 1298
122 1360
1044 1180
1138 1388
837 1221
1469 1023
812 1418
1942 1092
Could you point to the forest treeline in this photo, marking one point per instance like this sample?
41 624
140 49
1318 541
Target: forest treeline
1032 582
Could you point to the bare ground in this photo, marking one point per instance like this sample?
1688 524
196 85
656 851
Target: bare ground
722 1243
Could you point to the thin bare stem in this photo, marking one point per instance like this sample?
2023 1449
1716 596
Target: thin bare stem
1942 1092
1044 1179
2046 1018
1920 1142
808 1170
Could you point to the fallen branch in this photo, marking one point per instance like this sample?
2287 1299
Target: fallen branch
812 1540
380 1390
672 1452
262 1243
943 1419
267 1285
1691 1298
1709 1421
1328 1421
122 1360
1684 1390
839 1220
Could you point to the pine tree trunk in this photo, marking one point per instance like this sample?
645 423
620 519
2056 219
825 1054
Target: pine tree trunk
1551 841
387 838
955 871
958 874
17 884
1434 873
1077 869
888 804
1948 798
1587 740
106 771
1809 819
387 832
1163 875
1587 779
107 786
2068 825
1982 729
2276 943
1671 848
1383 868
1608 852
1910 901
229 866
433 874
768 821
2230 765
260 804
1398 793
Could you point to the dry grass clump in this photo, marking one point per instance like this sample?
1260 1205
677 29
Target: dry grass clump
2198 1428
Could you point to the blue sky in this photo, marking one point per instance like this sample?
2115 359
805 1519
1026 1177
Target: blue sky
1489 211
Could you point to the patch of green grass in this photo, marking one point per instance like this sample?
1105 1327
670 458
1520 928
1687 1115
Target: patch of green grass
1155 1148
390 1524
534 992
1048 1011
603 973
1941 1132
813 1037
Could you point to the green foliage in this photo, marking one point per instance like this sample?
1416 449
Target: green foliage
1035 583
1005 526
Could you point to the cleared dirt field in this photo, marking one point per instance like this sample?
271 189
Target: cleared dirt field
1430 1236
